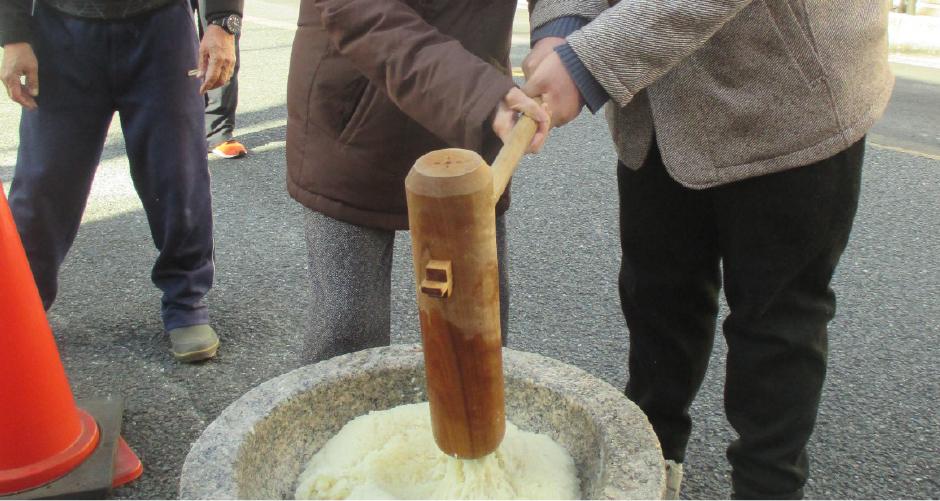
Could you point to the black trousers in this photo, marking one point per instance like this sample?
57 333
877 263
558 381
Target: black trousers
775 241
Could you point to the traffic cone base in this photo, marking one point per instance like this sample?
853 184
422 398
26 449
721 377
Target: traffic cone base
53 467
127 466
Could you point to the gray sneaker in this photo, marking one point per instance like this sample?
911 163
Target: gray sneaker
673 479
194 343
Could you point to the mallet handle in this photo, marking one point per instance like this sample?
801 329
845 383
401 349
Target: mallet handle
512 152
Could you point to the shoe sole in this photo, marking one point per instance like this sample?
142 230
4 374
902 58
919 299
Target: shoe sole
195 356
223 155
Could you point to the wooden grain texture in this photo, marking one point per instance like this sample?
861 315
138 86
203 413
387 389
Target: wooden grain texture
512 152
452 198
452 216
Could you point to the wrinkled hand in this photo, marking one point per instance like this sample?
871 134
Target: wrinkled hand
542 48
506 115
19 61
216 58
550 80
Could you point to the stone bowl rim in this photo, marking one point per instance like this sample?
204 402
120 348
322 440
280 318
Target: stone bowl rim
209 471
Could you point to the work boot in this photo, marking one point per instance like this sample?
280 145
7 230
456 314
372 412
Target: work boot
673 479
193 343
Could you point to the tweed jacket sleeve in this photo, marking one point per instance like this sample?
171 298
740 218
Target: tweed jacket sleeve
631 45
430 76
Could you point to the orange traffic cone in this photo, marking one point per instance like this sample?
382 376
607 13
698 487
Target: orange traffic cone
43 434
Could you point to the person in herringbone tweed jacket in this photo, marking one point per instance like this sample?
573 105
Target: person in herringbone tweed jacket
740 129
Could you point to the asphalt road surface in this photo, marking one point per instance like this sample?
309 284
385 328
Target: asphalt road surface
877 435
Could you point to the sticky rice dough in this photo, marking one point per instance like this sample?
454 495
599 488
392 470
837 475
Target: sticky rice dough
391 454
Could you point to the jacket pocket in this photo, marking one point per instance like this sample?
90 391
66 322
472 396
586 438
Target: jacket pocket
427 8
797 39
334 91
358 109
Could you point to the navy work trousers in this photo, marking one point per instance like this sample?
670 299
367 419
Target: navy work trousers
775 240
139 68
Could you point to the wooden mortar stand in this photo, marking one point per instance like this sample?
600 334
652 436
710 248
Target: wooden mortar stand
452 198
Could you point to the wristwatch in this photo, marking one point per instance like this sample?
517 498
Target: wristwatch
232 23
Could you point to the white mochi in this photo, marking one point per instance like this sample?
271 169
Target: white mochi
391 454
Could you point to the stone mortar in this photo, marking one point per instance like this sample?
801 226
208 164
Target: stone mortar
258 446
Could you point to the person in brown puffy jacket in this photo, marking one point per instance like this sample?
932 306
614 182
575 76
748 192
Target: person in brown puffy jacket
373 85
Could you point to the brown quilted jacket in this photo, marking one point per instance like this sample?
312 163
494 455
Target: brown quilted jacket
375 84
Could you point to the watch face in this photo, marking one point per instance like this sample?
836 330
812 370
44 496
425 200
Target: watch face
233 23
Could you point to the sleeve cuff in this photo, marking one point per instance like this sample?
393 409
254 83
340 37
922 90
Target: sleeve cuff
479 115
218 8
15 29
594 94
219 15
561 28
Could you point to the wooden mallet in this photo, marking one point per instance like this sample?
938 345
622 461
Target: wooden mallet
452 198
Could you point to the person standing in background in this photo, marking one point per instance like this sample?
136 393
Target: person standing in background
222 102
82 61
